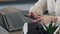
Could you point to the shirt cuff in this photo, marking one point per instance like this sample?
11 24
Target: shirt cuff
58 21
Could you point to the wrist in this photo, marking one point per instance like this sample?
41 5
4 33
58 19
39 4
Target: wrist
54 19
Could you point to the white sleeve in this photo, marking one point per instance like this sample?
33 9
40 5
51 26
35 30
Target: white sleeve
39 6
58 21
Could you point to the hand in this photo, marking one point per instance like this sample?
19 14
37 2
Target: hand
35 10
45 19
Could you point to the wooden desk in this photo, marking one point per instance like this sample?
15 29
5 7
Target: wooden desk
16 32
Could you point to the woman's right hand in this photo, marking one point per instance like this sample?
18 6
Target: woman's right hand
32 11
35 10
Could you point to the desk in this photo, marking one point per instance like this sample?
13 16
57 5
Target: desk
16 32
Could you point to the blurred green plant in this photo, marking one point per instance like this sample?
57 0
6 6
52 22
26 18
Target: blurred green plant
51 28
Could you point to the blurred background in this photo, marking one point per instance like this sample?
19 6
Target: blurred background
18 4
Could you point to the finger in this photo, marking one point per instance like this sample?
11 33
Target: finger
37 17
29 14
37 20
34 21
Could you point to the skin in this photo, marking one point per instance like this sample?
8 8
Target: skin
44 19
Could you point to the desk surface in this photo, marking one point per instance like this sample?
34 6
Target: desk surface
16 32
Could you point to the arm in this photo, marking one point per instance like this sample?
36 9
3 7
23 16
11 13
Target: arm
42 4
39 7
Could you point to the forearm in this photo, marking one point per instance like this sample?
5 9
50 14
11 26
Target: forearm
54 19
39 7
42 4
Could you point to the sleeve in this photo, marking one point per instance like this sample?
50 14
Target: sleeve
39 6
58 23
58 20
